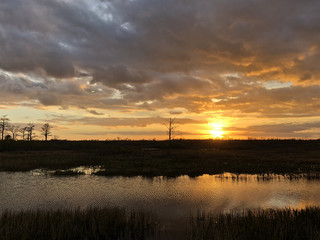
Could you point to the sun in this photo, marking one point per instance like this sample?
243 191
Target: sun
216 130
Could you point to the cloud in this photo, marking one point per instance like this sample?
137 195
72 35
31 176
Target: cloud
94 112
289 129
116 76
120 122
151 55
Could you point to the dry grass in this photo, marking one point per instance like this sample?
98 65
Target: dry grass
102 223
268 224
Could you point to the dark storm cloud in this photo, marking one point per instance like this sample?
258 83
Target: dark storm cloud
168 53
116 76
48 92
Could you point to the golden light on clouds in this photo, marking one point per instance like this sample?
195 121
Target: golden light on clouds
126 73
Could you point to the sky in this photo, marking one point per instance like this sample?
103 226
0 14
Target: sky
119 69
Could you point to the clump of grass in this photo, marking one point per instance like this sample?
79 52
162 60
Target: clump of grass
259 224
93 223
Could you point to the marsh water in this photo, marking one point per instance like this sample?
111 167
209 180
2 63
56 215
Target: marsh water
169 198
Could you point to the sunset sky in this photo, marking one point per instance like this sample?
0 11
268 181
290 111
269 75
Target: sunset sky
98 69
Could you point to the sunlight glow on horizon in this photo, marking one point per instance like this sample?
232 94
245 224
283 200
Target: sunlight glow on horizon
216 130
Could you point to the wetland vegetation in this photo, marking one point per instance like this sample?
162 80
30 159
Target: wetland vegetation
161 158
93 223
104 223
267 158
257 224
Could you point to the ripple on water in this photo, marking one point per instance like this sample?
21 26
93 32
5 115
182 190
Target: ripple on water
167 197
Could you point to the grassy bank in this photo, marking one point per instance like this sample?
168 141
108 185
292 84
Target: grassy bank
119 224
264 224
153 158
76 224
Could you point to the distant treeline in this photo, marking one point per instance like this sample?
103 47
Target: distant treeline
55 144
26 133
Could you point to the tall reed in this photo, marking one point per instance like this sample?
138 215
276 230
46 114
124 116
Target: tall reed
93 223
259 224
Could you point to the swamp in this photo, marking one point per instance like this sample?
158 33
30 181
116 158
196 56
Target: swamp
182 189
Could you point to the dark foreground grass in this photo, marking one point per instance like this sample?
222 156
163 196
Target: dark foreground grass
263 224
102 223
118 224
159 158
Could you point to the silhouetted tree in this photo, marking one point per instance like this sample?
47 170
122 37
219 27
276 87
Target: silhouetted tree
3 125
14 130
45 130
23 131
7 137
30 128
170 128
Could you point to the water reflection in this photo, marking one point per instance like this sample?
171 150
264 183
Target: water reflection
167 197
82 170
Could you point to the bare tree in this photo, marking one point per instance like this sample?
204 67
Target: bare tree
170 128
23 131
14 131
30 128
3 125
45 129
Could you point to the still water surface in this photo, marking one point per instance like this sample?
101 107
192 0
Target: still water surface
168 198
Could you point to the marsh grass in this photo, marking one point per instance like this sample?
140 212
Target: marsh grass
104 223
259 224
94 223
152 158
